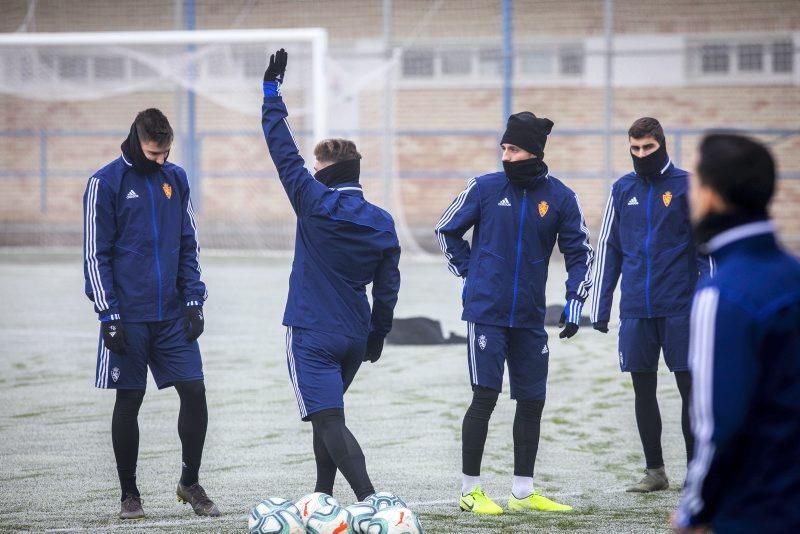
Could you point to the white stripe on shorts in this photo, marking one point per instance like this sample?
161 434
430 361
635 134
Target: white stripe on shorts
293 373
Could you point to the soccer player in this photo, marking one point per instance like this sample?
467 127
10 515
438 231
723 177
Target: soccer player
342 244
646 237
517 216
142 273
744 353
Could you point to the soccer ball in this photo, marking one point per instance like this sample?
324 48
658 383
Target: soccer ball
269 505
394 520
362 513
308 504
330 520
280 521
384 499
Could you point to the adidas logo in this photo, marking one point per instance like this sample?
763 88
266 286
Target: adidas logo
633 202
504 202
132 194
545 350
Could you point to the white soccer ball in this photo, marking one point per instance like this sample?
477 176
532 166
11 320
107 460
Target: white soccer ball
308 504
384 499
280 521
395 520
330 520
269 505
362 514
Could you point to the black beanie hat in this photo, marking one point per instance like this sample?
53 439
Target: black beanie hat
528 132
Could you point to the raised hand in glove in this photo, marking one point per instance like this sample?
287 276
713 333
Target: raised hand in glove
601 326
374 347
194 322
114 335
570 318
273 76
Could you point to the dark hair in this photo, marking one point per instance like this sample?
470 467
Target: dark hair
647 126
740 169
336 150
152 125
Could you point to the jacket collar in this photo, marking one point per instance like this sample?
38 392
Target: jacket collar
348 186
739 233
128 163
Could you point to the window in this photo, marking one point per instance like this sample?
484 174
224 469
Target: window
535 62
715 58
751 57
418 64
490 62
456 63
570 61
782 56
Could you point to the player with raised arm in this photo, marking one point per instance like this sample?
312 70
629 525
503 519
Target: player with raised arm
517 217
342 244
142 271
744 351
646 238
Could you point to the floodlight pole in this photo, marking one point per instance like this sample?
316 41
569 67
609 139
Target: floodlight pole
608 113
388 107
508 67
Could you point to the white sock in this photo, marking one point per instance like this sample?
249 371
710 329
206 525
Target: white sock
468 483
521 487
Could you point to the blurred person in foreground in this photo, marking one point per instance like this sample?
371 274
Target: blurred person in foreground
646 238
142 271
517 216
744 352
343 243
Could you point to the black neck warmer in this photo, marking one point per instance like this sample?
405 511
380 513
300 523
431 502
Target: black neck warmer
346 171
715 223
525 172
132 150
651 164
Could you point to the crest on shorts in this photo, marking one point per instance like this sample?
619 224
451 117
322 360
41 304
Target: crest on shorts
667 198
543 207
167 190
115 374
482 341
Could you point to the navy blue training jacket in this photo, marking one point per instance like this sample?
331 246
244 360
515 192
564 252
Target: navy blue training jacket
514 231
646 237
141 255
745 361
342 244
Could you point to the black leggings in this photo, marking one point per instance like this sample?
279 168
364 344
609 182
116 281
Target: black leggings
336 447
648 416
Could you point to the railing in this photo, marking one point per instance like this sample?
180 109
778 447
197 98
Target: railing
44 171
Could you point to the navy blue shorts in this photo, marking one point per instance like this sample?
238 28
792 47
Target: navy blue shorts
641 341
160 345
321 366
525 350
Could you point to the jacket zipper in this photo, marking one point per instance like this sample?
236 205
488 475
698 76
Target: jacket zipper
155 244
647 251
519 255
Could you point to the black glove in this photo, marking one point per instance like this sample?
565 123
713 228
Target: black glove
277 67
570 324
114 336
194 322
374 347
601 326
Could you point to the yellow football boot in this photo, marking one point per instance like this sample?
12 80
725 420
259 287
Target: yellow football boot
536 502
477 502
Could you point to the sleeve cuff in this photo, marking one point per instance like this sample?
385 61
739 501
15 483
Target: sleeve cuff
106 316
272 88
194 302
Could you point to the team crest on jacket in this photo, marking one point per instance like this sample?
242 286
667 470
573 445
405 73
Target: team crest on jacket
543 207
667 198
482 341
167 190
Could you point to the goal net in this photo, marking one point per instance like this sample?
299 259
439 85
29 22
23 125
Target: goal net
70 99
